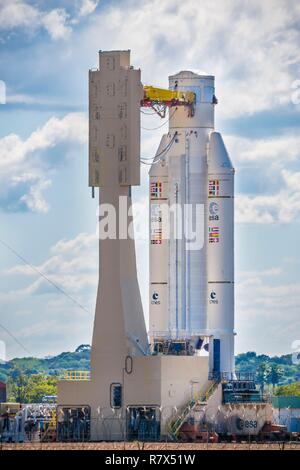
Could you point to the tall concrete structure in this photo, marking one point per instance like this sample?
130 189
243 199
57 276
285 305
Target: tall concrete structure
114 166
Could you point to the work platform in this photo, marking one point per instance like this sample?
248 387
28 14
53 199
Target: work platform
154 385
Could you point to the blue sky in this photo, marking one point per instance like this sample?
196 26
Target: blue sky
46 211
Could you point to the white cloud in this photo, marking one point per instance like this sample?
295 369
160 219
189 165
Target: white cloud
72 265
36 311
272 162
34 199
87 7
251 47
20 98
20 14
262 274
279 149
25 167
281 207
16 13
267 312
74 245
55 22
37 330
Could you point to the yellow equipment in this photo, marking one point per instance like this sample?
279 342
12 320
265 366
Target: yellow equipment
159 99
49 435
78 375
164 96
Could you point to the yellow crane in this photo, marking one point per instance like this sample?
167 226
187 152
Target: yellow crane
159 99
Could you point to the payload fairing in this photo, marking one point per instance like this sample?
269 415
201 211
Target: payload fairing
192 263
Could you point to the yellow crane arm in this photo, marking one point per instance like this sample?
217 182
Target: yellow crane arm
168 97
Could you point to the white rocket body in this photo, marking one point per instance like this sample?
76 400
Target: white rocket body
187 271
220 255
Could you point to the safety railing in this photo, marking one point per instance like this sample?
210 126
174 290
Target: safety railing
48 433
177 422
231 376
245 397
211 390
78 375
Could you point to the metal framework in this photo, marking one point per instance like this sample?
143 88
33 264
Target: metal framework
159 99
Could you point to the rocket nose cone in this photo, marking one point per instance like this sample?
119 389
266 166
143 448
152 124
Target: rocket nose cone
218 158
159 161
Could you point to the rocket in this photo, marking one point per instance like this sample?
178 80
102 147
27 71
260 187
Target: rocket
220 255
191 285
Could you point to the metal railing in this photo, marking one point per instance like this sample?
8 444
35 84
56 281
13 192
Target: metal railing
231 376
177 334
78 375
177 421
244 397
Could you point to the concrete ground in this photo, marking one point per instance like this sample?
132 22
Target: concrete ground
132 446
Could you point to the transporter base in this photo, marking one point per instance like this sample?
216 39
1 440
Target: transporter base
163 398
154 391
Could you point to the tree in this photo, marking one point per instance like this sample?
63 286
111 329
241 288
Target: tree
275 374
17 386
262 375
40 386
83 347
289 390
31 389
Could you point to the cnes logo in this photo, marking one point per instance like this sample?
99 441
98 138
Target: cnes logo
213 298
155 299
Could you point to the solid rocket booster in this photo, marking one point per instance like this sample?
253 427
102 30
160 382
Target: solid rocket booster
220 255
191 283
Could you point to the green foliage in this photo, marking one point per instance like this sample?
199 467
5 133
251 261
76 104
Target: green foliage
83 347
52 366
30 388
289 390
275 374
262 374
269 370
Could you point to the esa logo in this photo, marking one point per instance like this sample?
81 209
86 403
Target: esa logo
213 298
245 424
213 211
155 299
